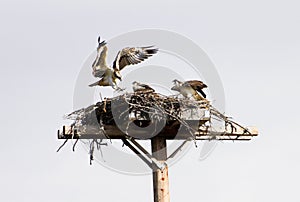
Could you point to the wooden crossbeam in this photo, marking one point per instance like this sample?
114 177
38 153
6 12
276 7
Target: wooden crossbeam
172 131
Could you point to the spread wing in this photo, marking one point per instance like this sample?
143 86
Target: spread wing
100 65
132 56
196 85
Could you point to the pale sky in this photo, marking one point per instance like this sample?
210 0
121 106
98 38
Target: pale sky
254 45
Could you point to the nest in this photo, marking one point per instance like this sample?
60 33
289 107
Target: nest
139 108
143 115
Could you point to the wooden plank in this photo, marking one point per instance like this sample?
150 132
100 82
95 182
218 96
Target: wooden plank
170 132
224 139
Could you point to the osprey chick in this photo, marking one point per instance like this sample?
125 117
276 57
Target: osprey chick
190 88
141 88
126 56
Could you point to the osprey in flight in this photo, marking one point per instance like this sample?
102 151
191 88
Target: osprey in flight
190 88
127 56
141 88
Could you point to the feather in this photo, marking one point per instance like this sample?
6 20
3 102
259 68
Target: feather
132 56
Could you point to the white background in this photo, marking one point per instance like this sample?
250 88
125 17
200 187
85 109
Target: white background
255 46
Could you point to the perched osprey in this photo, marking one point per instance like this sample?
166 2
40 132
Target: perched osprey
190 88
141 88
127 56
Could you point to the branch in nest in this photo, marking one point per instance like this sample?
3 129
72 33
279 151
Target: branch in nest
62 145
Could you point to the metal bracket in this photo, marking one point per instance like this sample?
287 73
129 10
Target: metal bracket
179 148
143 154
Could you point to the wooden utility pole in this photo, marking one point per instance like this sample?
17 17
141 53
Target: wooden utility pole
157 161
160 176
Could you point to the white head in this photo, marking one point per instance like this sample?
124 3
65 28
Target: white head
135 86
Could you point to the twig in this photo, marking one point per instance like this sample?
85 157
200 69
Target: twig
74 145
62 145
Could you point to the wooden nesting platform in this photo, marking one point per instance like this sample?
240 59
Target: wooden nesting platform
172 131
147 115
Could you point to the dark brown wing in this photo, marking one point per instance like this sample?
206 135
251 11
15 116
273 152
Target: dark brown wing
131 56
196 85
147 87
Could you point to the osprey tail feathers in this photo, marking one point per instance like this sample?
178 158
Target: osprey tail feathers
94 84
